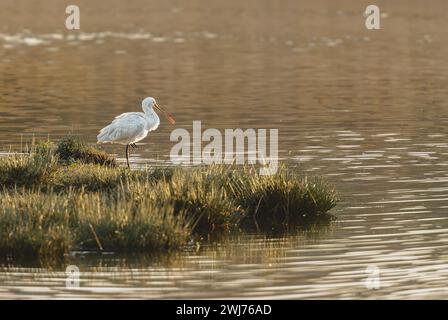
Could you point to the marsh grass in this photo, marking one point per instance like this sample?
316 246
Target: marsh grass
49 224
35 166
286 199
50 207
73 149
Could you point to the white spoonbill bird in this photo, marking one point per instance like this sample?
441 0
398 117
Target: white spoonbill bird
131 127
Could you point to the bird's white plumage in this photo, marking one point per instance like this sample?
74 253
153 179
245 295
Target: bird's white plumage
131 127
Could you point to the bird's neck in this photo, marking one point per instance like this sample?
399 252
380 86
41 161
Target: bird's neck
150 113
147 110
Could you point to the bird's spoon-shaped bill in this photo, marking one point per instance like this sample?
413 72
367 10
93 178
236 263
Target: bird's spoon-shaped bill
168 116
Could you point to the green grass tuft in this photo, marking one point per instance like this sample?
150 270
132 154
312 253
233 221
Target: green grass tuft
72 149
34 167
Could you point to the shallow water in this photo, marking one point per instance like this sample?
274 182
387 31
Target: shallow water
367 109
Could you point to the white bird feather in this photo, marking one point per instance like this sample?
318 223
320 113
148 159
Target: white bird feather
131 127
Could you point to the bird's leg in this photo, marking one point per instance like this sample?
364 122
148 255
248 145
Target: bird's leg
127 155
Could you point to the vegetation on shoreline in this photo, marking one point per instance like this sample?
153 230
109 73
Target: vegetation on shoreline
56 199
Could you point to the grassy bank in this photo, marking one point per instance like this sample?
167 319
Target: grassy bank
70 196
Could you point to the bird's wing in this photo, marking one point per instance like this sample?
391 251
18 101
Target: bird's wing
128 114
124 128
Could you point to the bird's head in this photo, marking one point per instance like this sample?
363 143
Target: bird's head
149 103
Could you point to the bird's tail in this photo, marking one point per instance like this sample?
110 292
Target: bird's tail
102 137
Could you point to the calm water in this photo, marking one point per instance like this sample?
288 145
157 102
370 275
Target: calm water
367 109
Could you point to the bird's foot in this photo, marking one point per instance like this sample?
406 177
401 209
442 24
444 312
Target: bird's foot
133 145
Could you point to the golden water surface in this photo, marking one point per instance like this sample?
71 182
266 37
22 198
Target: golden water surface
368 109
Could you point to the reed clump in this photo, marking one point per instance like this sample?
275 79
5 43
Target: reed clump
35 166
50 207
73 149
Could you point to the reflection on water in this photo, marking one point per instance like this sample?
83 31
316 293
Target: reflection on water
367 109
